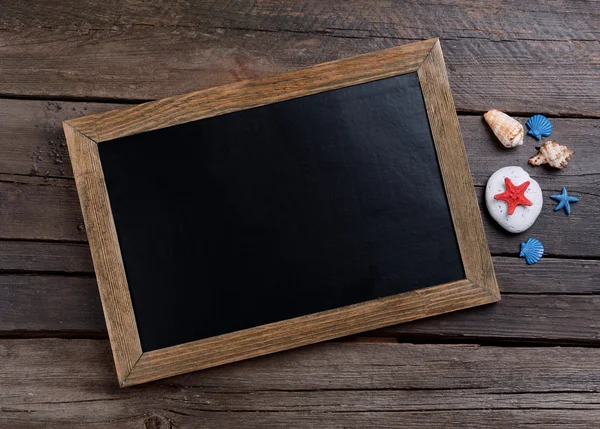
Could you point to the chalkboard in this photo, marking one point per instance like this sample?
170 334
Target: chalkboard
270 215
280 211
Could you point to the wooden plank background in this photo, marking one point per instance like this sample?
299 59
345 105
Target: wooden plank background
530 360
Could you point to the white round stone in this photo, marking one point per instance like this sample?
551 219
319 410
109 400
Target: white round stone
523 216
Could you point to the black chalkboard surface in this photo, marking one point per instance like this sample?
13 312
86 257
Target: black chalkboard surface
280 211
264 215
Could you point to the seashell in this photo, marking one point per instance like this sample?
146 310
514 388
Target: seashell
532 250
552 153
508 130
539 126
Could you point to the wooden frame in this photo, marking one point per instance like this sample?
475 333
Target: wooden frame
132 364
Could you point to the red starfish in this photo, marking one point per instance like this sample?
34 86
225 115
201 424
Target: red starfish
514 195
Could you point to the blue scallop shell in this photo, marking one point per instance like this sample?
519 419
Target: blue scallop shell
539 126
532 250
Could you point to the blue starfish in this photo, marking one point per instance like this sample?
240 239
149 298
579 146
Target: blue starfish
564 200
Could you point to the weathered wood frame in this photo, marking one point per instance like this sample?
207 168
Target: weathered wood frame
132 364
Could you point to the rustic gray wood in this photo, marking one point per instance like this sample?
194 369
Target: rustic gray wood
539 304
32 144
513 21
40 211
382 385
49 210
44 257
32 141
23 203
548 276
557 319
43 304
467 419
36 207
512 55
545 277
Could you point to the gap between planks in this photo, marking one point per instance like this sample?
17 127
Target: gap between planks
370 337
124 103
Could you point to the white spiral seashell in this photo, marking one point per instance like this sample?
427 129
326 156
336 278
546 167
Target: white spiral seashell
553 153
508 130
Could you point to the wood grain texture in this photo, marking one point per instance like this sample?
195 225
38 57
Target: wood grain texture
536 318
454 167
253 93
106 253
46 304
31 256
507 55
512 55
510 21
32 128
34 213
50 211
540 305
383 385
32 141
40 211
549 275
558 418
